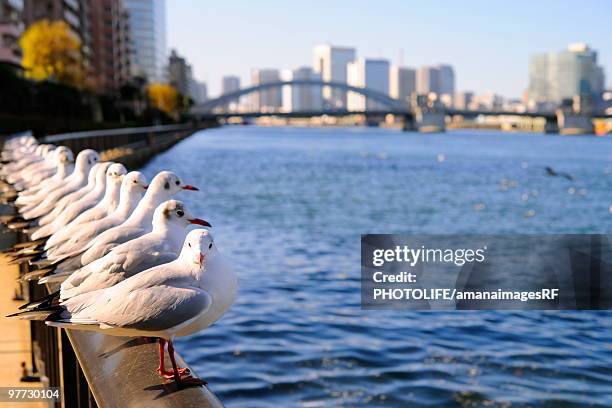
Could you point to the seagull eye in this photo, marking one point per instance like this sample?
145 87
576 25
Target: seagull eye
189 243
167 185
210 245
178 182
180 213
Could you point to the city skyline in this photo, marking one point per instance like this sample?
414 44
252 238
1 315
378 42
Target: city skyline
485 46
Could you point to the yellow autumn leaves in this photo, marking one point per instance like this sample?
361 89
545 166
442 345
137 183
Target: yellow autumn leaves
163 96
52 51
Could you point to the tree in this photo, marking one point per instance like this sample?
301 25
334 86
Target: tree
52 51
163 97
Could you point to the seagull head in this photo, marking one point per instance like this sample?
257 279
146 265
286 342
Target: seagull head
63 155
134 185
168 183
86 159
198 248
174 213
115 173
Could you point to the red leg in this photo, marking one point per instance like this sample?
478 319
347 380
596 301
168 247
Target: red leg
162 366
182 381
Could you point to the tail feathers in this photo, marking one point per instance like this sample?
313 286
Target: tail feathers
78 324
39 314
54 278
21 259
36 274
46 301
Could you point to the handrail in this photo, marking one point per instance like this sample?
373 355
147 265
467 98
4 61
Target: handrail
116 132
118 371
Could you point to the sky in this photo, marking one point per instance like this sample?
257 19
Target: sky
487 42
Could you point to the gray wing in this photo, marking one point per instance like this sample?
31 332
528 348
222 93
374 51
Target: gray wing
155 308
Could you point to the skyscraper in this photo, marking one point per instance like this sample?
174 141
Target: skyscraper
563 75
367 73
331 63
229 83
147 21
438 79
180 75
267 100
300 98
110 44
402 82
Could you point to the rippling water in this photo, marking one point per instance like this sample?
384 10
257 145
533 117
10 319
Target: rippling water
289 205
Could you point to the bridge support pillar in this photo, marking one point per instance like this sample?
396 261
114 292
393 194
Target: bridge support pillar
409 124
430 121
551 126
571 123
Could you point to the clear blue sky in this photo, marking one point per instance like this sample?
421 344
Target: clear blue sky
488 42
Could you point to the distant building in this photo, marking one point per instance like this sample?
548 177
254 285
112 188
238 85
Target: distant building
200 92
110 44
300 98
10 30
488 101
268 100
402 82
180 75
438 79
554 77
229 84
331 63
147 21
463 100
367 73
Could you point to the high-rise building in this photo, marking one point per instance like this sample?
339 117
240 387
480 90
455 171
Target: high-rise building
300 98
10 30
74 12
438 79
554 77
402 82
267 100
464 99
229 84
180 75
147 21
331 63
110 44
371 74
201 91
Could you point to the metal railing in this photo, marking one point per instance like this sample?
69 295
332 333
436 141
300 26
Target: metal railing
96 370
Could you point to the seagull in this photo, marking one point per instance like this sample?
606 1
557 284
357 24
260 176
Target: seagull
76 205
108 204
65 166
178 298
133 187
163 186
84 162
161 245
73 197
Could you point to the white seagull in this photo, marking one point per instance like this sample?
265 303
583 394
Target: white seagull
178 298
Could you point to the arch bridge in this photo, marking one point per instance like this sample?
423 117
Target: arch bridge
208 106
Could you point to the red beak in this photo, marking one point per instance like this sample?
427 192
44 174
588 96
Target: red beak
200 221
190 187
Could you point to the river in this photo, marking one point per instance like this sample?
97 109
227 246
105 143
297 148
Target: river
288 206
